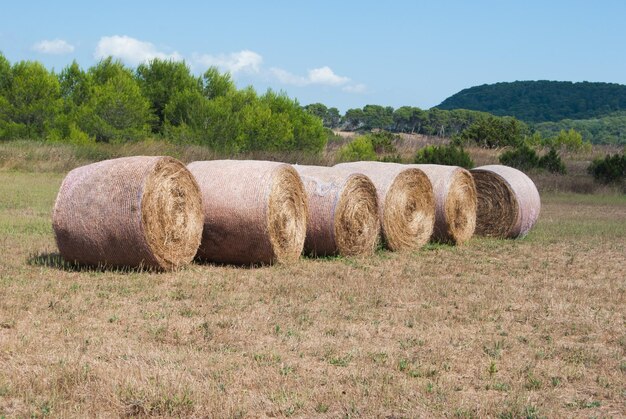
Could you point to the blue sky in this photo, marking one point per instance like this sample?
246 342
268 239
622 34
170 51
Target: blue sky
341 53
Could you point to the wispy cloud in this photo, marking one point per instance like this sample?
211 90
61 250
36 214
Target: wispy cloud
54 46
235 62
355 88
323 76
131 50
134 51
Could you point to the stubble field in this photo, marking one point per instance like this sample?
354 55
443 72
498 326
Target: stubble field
527 328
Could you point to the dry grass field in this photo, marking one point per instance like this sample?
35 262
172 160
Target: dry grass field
528 328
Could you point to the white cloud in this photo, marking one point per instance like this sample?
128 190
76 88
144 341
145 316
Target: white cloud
323 76
326 76
131 50
286 77
55 46
355 88
235 62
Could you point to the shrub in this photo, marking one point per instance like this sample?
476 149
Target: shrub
522 157
552 162
360 148
571 140
446 155
382 141
493 132
525 158
610 169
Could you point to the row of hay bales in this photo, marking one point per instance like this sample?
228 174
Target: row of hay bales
158 213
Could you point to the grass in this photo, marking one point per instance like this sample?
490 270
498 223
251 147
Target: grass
526 328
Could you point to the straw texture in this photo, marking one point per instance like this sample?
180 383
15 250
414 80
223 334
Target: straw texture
405 202
343 212
254 211
132 211
455 202
508 202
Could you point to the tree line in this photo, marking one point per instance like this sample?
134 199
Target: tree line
110 102
406 119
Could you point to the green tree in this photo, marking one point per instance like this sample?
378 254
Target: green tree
32 101
75 85
330 116
160 80
353 119
117 111
571 140
493 132
217 84
5 75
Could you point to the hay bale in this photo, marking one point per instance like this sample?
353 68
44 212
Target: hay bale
455 202
132 211
508 202
254 211
405 202
343 212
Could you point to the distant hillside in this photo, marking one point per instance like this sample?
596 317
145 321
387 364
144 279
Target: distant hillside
541 101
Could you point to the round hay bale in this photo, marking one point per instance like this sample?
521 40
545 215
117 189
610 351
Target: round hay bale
508 202
405 202
133 211
455 202
254 211
343 212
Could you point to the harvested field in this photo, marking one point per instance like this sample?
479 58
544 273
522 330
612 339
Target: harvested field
525 328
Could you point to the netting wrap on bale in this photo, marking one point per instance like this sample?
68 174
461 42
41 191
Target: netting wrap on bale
343 212
132 211
405 202
508 202
455 202
254 211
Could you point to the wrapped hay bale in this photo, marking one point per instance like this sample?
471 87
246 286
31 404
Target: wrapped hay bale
254 211
343 212
132 211
455 202
405 202
508 202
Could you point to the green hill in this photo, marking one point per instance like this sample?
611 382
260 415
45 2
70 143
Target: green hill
541 101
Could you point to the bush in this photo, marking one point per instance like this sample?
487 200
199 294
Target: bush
525 158
446 155
610 169
382 141
360 148
493 132
552 162
522 157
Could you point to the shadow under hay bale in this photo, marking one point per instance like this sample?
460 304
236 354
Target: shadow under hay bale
129 212
254 211
455 202
343 212
508 202
405 202
56 261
